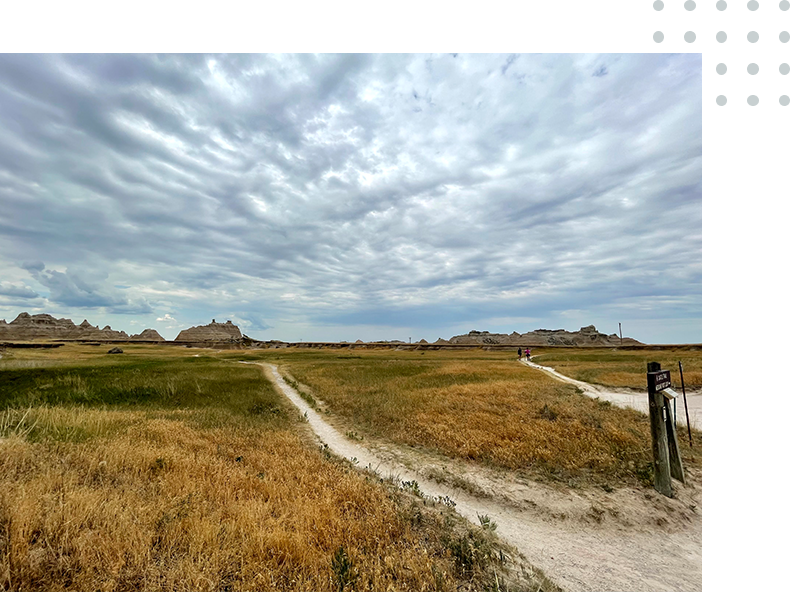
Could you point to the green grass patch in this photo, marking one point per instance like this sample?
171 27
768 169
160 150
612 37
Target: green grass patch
57 401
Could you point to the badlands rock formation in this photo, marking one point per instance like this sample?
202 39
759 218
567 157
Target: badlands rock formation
28 327
586 336
40 326
224 332
147 335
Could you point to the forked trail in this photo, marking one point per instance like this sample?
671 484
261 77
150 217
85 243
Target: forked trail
634 541
628 397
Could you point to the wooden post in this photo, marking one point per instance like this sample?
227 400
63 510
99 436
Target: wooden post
685 402
658 431
675 462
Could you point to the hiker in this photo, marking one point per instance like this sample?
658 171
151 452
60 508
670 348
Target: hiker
528 354
519 353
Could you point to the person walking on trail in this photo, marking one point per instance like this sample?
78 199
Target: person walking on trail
519 353
528 353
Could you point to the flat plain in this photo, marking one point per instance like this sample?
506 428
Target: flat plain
180 468
481 406
174 469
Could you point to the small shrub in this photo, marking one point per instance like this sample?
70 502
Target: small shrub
159 465
265 408
644 472
548 413
472 551
445 499
487 523
343 568
413 487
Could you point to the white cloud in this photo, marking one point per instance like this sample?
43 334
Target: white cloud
354 186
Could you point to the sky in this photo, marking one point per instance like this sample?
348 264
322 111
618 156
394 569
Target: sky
354 196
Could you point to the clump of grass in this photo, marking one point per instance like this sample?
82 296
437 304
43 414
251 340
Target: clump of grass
13 423
265 408
547 413
413 487
69 424
487 523
473 551
456 481
305 395
343 569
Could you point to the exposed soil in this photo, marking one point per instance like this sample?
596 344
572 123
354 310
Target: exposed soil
583 539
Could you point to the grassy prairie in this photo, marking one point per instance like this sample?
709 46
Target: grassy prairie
160 471
622 368
481 406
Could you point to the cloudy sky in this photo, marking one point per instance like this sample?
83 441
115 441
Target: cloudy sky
344 197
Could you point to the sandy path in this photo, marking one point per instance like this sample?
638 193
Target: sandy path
576 556
630 398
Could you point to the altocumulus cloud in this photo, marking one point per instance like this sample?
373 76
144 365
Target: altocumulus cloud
302 194
17 290
84 289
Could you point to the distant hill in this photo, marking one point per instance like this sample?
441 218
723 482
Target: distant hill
218 332
27 327
586 336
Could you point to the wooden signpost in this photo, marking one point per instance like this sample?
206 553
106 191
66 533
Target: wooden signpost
666 454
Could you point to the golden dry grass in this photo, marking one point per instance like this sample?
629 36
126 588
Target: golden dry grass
484 407
209 490
622 368
167 506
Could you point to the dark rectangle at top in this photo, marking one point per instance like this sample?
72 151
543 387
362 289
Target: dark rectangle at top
658 381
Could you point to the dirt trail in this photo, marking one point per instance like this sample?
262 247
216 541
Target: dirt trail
623 397
583 540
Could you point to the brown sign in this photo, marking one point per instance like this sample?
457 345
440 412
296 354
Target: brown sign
658 381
